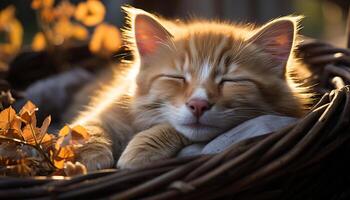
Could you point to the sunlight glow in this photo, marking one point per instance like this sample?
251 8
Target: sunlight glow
123 84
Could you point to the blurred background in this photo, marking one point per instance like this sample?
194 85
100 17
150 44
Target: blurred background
51 48
324 19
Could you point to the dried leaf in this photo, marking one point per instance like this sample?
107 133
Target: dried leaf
16 124
69 140
29 134
59 163
6 117
80 135
29 107
47 141
21 132
44 127
64 131
27 113
11 133
64 151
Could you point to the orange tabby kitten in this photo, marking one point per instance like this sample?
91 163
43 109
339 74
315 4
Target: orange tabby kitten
190 82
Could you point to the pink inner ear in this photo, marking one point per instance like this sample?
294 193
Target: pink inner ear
149 34
277 39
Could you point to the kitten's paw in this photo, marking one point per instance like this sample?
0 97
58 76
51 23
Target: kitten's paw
95 158
74 169
135 158
154 144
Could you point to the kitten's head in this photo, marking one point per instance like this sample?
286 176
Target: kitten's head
206 77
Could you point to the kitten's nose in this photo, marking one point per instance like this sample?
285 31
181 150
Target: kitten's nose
198 106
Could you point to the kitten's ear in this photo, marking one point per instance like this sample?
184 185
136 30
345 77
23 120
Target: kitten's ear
277 39
149 34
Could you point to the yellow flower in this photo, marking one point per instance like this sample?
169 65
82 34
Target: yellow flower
63 28
6 16
80 32
39 42
13 30
38 4
16 35
47 14
105 39
64 9
90 12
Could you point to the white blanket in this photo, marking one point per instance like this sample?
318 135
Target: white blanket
258 126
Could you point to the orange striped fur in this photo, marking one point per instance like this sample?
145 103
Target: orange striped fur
239 71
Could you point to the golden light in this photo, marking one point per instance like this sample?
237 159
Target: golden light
39 42
14 31
90 13
6 16
63 28
47 15
80 32
39 4
106 38
64 9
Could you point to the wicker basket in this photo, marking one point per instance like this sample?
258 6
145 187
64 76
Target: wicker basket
306 160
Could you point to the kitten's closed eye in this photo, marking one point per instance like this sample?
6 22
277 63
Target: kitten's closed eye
239 80
173 77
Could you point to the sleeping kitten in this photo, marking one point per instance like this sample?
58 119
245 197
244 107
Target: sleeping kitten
189 82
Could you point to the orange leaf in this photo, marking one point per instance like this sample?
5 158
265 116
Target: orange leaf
69 140
66 152
11 133
28 134
59 163
64 131
6 117
80 134
28 107
47 141
44 127
15 130
65 138
16 124
63 151
27 113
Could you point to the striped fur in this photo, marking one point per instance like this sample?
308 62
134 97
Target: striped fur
219 62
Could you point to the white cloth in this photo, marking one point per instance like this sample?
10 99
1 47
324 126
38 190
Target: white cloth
257 126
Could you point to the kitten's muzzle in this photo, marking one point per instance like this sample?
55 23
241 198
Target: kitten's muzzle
198 106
